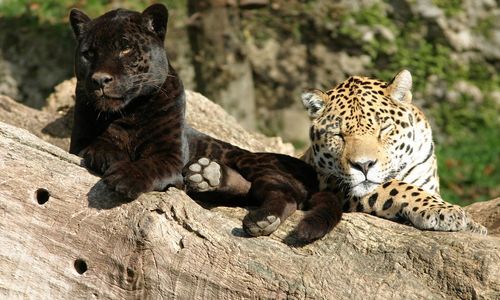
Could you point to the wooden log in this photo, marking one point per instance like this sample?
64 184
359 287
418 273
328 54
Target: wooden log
64 235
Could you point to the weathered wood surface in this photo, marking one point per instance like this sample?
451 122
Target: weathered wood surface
165 245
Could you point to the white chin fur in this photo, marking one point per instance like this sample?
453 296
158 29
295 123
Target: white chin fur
362 189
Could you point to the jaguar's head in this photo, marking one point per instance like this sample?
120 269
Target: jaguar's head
120 55
362 130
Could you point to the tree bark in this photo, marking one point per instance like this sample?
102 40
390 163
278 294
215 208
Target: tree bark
64 235
222 70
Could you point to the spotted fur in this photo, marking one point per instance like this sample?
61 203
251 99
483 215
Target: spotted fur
374 148
129 127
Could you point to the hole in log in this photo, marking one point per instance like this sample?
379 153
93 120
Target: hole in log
80 266
42 196
130 273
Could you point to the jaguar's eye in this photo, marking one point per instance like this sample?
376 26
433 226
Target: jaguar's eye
88 54
386 129
125 51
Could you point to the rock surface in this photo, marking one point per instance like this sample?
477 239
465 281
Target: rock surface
64 233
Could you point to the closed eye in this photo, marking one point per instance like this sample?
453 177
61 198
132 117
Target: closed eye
386 127
385 130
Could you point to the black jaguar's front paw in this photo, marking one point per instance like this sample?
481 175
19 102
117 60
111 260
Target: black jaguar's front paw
99 159
260 222
325 213
312 228
127 179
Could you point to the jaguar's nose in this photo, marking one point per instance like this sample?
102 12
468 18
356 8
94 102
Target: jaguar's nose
363 166
102 79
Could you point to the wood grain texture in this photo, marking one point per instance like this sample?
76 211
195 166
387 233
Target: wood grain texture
165 245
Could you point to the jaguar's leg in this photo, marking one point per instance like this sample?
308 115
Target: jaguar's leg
206 175
274 193
279 197
396 199
325 211
276 183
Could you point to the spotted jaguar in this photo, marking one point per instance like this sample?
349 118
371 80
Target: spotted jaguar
373 147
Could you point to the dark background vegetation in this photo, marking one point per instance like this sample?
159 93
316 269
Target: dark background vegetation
255 57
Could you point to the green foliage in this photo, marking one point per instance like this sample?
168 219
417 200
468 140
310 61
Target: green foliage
470 168
50 11
450 7
469 159
54 11
262 25
353 26
485 26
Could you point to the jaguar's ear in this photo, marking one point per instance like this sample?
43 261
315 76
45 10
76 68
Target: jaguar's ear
78 20
399 88
314 101
156 19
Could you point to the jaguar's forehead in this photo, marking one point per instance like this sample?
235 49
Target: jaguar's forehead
120 25
357 87
359 103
